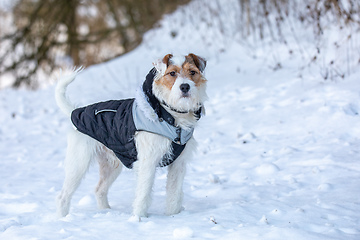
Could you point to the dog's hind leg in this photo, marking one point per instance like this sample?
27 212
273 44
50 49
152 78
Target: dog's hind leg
175 179
109 168
81 149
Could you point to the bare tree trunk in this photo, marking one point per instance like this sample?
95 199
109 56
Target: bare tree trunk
71 24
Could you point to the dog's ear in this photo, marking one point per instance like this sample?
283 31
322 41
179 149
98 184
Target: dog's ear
199 61
166 59
162 64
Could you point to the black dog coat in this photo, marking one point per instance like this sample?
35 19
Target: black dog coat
115 122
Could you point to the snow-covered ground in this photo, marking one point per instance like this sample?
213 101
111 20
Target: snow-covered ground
278 155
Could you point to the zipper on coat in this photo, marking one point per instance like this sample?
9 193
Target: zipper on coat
104 110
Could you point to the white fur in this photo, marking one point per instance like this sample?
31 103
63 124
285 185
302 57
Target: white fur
177 60
154 147
144 105
160 68
82 150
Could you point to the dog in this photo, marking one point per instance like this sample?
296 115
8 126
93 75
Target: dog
155 129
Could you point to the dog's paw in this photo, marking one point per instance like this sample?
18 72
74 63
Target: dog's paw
134 218
170 212
140 212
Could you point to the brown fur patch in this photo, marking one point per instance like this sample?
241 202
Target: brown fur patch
199 62
197 77
167 80
167 58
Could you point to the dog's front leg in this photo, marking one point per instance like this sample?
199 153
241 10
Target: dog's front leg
145 181
174 192
151 148
175 179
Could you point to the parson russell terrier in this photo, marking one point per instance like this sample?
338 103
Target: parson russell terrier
155 129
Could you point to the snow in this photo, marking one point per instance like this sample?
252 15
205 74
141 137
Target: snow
278 154
184 232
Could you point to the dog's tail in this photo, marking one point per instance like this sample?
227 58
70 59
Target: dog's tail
60 92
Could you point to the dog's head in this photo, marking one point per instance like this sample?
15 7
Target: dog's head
180 81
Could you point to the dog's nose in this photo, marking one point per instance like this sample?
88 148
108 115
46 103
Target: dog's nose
184 87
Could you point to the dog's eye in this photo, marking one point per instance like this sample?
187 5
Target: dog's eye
173 73
192 73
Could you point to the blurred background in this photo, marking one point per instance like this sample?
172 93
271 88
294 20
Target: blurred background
38 36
